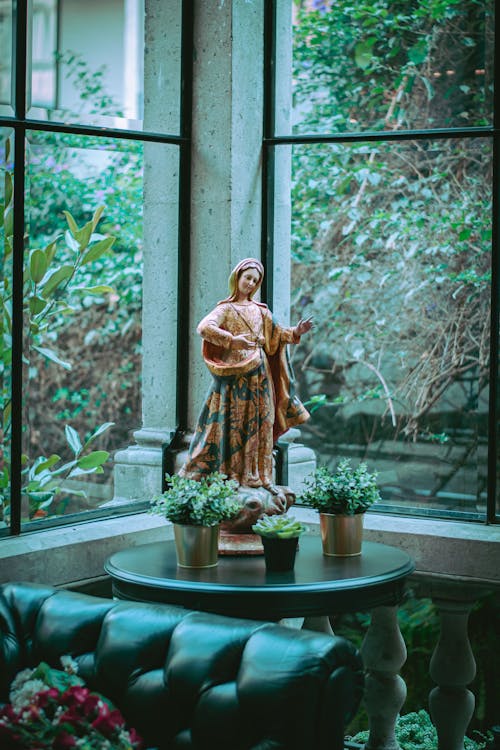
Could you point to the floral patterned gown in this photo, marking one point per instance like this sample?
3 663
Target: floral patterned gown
250 401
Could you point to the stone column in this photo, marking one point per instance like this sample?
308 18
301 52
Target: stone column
226 160
383 652
138 469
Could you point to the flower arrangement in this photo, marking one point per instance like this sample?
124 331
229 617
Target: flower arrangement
345 491
51 708
193 502
279 527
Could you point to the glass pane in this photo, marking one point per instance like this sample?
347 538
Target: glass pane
43 59
6 57
89 64
391 254
83 303
391 65
6 146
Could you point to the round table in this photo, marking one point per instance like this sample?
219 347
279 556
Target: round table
240 586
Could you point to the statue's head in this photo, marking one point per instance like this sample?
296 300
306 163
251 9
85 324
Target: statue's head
242 266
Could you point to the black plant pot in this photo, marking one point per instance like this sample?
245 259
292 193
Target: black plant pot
279 554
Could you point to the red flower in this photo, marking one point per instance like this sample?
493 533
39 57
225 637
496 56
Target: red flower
107 724
47 696
58 719
63 741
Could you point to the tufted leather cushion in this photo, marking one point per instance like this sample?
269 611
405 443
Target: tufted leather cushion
188 679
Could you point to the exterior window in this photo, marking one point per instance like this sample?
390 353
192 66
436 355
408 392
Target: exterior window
74 195
390 151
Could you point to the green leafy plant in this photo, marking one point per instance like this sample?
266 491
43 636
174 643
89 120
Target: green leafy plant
204 502
345 491
415 731
391 243
279 527
52 283
45 480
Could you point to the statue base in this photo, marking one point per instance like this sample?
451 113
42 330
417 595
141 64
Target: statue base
236 536
240 544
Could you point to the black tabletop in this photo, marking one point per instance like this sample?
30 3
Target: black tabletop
241 586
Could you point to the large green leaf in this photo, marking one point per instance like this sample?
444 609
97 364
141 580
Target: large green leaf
77 472
36 304
73 226
71 242
84 234
8 221
49 354
93 460
47 464
8 188
95 252
100 430
50 251
38 265
97 216
73 439
99 289
55 279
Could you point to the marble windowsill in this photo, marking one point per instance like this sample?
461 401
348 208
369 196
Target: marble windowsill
465 552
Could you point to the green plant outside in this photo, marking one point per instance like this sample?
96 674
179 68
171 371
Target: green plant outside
344 491
48 284
205 502
415 731
391 242
59 288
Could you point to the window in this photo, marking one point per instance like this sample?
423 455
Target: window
77 182
390 148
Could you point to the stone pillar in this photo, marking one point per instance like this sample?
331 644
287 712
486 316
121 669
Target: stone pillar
138 469
226 160
383 652
452 668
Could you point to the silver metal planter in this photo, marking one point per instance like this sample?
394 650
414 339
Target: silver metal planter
341 536
196 546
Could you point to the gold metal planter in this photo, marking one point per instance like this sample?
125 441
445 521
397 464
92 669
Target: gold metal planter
341 536
196 546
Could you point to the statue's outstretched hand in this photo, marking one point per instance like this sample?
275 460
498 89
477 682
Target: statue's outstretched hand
303 326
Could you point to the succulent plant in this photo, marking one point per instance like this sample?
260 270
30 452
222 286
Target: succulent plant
279 526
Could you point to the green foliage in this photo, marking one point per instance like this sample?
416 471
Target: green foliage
89 84
44 480
52 277
204 502
391 242
415 731
279 526
345 491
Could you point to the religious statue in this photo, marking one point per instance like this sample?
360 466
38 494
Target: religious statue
251 400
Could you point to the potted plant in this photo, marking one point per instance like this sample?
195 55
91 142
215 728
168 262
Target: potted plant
341 497
280 535
197 508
